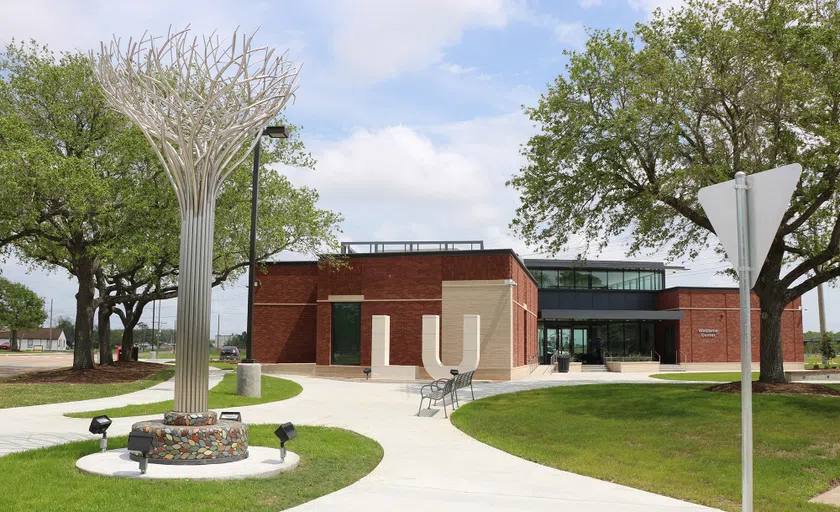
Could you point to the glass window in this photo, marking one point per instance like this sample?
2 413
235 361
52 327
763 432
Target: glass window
565 339
347 333
646 339
631 338
599 279
616 340
580 342
582 279
631 280
567 279
615 281
660 280
646 280
549 279
537 276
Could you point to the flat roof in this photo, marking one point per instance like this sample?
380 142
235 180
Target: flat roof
595 264
474 252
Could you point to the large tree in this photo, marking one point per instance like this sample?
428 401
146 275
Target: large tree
639 122
20 308
68 164
84 191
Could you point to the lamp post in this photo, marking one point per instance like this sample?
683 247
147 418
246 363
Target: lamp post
275 132
248 372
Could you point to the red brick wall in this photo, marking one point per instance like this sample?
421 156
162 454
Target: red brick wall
718 309
524 323
285 333
378 278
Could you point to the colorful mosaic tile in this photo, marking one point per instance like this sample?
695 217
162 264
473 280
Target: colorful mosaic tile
196 444
194 419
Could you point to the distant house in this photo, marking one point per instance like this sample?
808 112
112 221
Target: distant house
37 339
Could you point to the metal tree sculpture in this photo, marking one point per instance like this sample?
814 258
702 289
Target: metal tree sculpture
203 105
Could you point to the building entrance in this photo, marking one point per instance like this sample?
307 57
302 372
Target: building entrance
572 339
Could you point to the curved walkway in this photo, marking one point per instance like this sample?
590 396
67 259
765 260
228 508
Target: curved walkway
37 426
428 463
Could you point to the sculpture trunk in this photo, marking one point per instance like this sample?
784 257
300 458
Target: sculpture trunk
192 336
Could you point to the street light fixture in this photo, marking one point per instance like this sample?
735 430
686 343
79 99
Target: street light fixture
275 132
99 425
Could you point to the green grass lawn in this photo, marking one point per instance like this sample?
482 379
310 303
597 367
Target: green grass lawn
709 376
331 458
220 397
20 395
672 439
223 365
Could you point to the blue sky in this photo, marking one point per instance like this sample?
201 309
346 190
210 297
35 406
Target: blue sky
412 108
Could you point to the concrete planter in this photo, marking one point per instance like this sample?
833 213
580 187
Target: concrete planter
633 366
813 376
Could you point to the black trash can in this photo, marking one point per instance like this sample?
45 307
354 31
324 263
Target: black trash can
135 355
563 363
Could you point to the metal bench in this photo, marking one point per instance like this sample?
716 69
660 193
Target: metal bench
437 391
462 380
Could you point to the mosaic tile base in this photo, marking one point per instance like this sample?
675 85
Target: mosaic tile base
193 419
224 441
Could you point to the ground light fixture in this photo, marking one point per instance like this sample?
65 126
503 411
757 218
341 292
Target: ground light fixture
454 372
366 371
99 425
230 416
285 433
141 442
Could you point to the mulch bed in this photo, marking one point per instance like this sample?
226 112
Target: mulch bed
787 388
121 371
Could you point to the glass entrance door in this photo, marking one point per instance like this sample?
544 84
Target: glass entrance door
580 344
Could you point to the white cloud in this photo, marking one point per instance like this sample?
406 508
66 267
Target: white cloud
572 33
379 39
456 69
438 182
651 5
585 4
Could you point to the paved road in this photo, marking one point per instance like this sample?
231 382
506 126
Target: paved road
15 364
428 463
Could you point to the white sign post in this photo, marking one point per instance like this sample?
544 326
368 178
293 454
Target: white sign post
757 203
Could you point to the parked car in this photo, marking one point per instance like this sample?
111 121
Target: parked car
5 345
229 353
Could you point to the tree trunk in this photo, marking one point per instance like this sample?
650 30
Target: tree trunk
772 357
82 358
132 311
106 355
192 336
13 344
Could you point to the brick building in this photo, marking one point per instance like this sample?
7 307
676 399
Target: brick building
316 319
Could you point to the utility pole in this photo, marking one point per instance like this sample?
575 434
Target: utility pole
218 326
51 324
821 302
153 323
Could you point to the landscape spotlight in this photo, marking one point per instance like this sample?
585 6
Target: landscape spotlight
230 416
367 373
141 442
454 372
285 433
99 425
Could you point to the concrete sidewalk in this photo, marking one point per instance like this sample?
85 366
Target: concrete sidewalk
428 463
37 426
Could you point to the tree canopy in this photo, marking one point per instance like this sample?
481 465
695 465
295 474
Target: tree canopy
20 308
640 121
84 191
